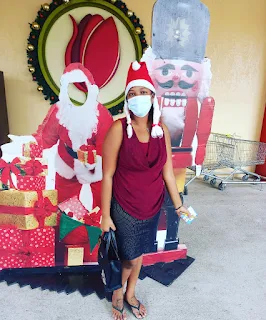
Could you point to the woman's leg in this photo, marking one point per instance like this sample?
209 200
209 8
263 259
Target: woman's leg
118 295
130 291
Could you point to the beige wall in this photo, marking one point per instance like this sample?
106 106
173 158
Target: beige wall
237 48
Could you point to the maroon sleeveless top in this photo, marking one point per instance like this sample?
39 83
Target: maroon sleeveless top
138 184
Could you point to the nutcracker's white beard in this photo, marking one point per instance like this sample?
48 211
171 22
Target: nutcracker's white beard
80 121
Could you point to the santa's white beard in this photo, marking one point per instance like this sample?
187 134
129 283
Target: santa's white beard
81 122
174 119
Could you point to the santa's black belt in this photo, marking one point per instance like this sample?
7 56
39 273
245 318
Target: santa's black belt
180 149
71 152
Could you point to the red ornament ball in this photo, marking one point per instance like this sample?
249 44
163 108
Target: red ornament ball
34 78
52 98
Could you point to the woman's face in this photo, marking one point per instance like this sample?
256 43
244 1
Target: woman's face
140 91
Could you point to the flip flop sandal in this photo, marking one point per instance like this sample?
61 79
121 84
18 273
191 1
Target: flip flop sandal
119 310
136 308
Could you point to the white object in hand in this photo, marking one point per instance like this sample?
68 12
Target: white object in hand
193 215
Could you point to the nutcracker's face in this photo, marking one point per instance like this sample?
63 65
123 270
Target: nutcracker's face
176 80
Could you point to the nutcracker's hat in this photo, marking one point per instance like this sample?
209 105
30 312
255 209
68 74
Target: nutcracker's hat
180 29
138 75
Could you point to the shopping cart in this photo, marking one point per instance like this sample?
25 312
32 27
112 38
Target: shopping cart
225 151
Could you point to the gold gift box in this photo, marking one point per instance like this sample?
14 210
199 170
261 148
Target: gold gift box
83 156
74 255
25 199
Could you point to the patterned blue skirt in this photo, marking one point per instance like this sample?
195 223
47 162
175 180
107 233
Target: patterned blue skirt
134 237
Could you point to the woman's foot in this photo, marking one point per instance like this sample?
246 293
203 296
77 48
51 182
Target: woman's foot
137 308
118 305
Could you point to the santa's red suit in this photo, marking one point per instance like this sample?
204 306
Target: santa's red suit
73 127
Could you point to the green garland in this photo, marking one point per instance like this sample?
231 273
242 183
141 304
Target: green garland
32 52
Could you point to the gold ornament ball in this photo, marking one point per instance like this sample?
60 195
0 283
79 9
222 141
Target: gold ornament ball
40 88
113 1
30 47
129 14
35 26
46 7
66 1
31 69
138 30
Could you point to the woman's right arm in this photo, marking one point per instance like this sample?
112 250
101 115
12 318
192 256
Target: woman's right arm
111 147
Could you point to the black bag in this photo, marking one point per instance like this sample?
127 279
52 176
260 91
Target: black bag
109 262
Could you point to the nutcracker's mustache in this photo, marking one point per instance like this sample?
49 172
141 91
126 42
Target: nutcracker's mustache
169 84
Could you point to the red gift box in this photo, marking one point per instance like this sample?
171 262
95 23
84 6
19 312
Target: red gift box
27 249
32 150
31 183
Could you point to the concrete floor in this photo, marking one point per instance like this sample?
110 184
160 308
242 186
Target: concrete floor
226 282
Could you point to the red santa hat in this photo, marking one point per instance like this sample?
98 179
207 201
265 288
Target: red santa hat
138 75
76 72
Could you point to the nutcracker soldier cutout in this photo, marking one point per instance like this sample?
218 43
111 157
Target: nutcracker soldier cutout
182 76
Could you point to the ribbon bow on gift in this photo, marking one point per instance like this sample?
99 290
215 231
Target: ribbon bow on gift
93 219
43 208
34 167
6 169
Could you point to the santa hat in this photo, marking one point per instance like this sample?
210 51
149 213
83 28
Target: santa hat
75 73
138 75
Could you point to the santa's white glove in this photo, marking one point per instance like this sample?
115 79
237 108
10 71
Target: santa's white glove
85 175
14 148
21 139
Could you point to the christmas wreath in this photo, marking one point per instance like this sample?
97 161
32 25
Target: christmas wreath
33 41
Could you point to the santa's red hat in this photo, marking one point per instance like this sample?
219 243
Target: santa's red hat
76 72
138 75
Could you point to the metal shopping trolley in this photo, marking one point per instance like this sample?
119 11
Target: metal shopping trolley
225 151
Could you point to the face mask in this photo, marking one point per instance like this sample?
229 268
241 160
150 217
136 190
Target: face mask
140 105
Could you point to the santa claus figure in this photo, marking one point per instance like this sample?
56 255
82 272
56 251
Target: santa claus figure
182 77
78 132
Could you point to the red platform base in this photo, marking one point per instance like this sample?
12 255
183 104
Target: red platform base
165 256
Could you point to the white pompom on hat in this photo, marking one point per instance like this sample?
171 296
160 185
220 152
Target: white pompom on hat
138 75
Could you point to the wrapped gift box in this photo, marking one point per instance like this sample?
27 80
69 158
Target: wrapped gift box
32 150
18 168
74 255
27 249
27 210
29 183
87 154
75 210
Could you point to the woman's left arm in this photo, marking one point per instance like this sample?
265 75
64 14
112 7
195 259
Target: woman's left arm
169 177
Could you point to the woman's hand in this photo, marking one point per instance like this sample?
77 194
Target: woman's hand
183 210
107 224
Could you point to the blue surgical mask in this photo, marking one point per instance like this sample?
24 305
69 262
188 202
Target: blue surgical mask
140 105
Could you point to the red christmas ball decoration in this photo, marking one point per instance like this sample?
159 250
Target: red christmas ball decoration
30 59
41 16
33 37
52 98
34 78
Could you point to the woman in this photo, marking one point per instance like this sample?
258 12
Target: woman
137 165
